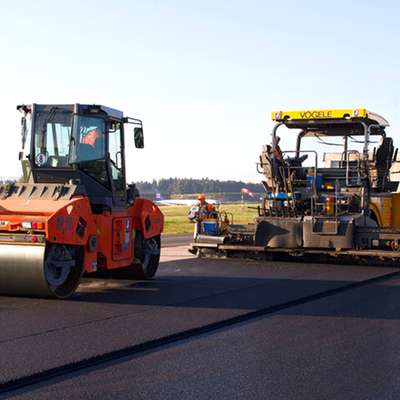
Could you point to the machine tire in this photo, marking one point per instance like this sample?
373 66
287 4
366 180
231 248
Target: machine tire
148 252
63 286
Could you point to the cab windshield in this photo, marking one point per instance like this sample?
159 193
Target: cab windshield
52 145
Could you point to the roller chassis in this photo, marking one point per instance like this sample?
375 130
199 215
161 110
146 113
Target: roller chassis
74 213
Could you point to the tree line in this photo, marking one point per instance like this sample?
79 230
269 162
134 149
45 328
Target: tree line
173 186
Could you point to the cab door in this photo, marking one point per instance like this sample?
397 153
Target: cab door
122 244
117 163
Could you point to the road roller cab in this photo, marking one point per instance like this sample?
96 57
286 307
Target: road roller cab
73 211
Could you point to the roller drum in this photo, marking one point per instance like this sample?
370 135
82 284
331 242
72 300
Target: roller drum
38 271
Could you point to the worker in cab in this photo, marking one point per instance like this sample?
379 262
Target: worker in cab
93 137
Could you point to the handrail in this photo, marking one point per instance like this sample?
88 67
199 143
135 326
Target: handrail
347 153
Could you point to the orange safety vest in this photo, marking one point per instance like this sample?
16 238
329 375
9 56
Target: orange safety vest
91 137
209 206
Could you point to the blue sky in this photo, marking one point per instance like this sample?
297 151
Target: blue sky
203 76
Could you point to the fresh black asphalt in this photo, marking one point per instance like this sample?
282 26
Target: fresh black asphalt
342 347
176 240
104 316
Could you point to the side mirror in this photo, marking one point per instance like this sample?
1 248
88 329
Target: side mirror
139 137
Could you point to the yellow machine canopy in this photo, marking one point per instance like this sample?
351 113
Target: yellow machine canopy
337 115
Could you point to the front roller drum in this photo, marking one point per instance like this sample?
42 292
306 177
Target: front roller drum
39 271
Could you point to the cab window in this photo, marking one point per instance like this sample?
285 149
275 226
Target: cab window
91 143
52 138
89 137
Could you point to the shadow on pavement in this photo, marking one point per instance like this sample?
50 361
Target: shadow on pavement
233 286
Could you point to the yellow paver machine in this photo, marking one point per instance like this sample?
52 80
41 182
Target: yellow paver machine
333 194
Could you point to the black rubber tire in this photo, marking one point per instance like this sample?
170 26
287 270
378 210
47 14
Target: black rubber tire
148 252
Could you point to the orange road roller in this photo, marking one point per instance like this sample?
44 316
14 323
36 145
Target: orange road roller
73 212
